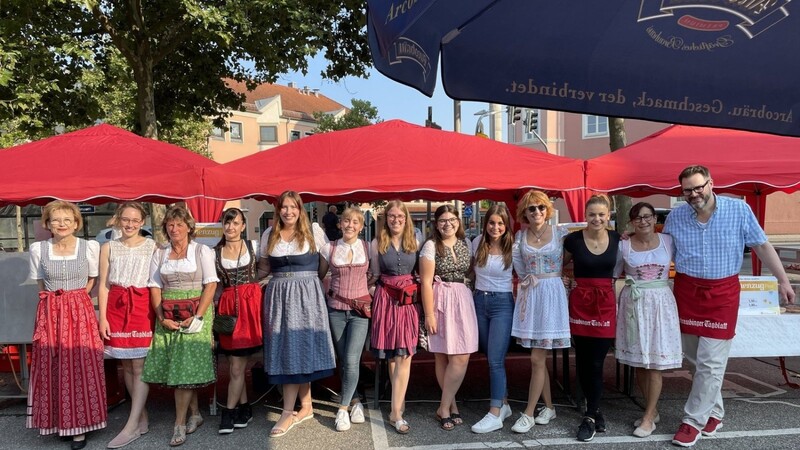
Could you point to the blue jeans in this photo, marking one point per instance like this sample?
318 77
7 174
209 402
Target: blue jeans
495 311
349 332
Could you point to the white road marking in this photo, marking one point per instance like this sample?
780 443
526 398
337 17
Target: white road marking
599 440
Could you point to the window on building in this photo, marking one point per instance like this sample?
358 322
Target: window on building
295 135
595 126
308 133
236 131
217 133
269 134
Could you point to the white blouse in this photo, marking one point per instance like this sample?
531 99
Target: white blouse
161 264
244 260
493 277
429 249
130 266
342 255
36 271
283 248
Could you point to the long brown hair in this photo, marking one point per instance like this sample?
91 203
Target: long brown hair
506 240
408 238
436 236
302 231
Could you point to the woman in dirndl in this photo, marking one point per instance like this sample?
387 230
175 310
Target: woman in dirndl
394 334
297 336
648 330
541 317
236 262
444 263
126 318
348 260
67 391
592 306
180 355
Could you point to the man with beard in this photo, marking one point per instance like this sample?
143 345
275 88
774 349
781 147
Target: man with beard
710 232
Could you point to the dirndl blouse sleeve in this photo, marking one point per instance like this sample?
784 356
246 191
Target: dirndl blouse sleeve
207 264
93 257
428 250
35 270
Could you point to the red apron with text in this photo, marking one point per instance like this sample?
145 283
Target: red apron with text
593 308
130 317
707 308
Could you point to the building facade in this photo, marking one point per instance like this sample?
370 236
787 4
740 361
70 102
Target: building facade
272 115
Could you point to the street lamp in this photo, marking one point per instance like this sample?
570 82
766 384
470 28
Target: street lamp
483 113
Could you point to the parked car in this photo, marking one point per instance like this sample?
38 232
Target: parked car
107 234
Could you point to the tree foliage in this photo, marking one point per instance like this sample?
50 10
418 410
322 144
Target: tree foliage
361 114
176 52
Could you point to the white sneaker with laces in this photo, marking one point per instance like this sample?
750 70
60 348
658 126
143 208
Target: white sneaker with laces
489 423
545 416
357 413
505 412
342 420
523 424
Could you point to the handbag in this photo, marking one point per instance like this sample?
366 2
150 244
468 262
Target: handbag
361 306
180 310
225 324
405 295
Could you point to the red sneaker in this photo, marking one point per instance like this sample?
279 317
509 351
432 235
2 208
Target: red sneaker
712 426
686 436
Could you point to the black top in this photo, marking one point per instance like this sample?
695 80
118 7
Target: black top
588 265
329 221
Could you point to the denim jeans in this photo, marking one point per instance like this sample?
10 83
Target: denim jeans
349 332
495 311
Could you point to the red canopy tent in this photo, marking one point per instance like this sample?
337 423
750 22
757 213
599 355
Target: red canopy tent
395 159
100 164
741 163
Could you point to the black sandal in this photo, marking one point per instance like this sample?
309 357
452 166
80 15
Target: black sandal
446 423
456 418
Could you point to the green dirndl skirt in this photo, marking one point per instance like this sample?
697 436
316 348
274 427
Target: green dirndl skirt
181 360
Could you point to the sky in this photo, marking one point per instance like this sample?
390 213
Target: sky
392 99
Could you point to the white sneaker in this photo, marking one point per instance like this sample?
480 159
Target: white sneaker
342 420
545 416
357 413
505 412
490 422
523 424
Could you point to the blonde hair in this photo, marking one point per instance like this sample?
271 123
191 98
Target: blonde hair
408 238
114 221
179 212
599 199
352 213
530 198
61 205
506 240
302 231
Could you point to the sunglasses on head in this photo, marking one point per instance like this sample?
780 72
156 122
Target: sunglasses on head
533 208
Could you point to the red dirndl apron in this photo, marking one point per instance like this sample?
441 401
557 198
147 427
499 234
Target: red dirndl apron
247 332
67 392
593 308
130 317
707 308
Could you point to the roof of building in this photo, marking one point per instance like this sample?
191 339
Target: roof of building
298 103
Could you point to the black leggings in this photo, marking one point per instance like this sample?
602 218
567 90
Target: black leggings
590 355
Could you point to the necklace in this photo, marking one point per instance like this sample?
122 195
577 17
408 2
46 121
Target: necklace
538 236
